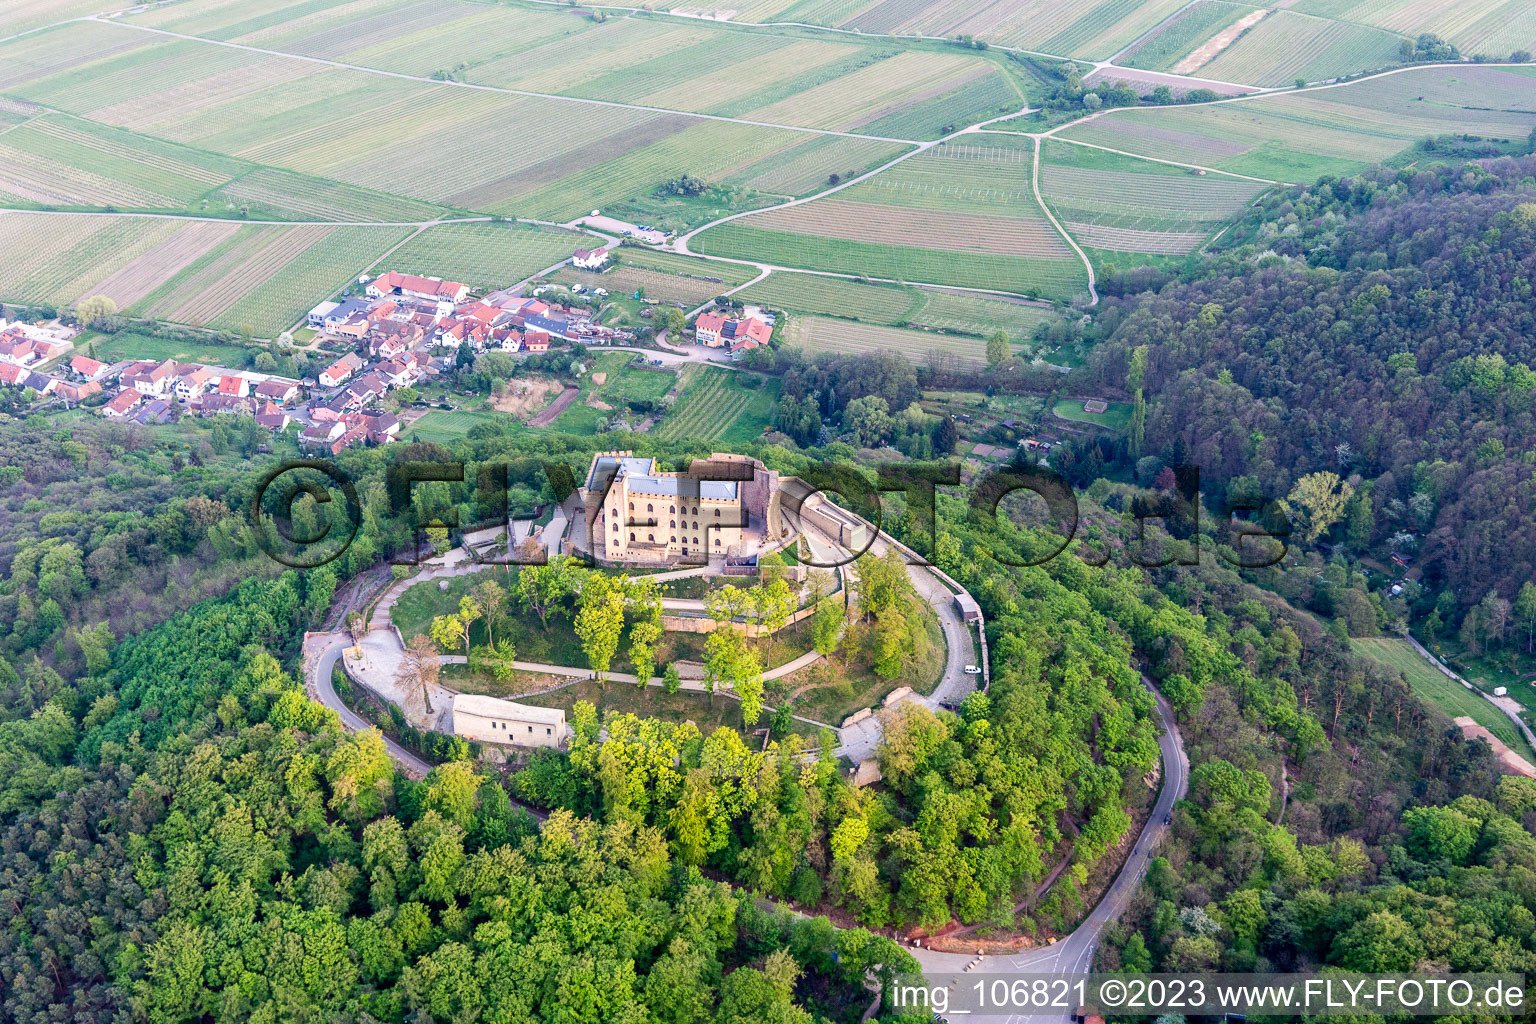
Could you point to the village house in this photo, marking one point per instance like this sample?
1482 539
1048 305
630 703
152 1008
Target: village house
273 417
17 348
73 394
234 386
352 327
536 341
341 370
11 374
119 407
152 379
590 259
316 318
156 410
193 381
275 389
88 368
322 434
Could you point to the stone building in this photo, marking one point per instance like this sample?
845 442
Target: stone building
491 720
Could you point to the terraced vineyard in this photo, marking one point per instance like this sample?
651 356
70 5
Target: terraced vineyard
717 406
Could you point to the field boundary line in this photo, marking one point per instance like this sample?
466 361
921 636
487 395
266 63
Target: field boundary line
1161 160
1093 291
502 89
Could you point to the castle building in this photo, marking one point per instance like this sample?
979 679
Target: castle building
720 506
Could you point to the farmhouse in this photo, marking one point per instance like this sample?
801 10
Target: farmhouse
490 720
276 390
413 287
590 259
719 506
717 330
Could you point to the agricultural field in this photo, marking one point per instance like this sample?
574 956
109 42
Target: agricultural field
1286 46
25 15
1298 136
484 256
1093 29
815 334
833 296
1431 685
1495 27
974 314
895 305
260 279
57 160
1118 204
664 276
719 405
268 193
959 214
59 259
1189 30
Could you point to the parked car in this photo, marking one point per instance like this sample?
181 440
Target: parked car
973 670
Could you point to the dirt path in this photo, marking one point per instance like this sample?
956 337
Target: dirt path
558 406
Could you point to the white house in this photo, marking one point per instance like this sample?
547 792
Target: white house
590 259
490 720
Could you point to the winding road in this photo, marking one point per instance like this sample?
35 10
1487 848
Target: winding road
1074 954
321 652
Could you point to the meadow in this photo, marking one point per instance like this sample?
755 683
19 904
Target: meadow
895 305
1445 693
1117 417
719 405
821 334
111 348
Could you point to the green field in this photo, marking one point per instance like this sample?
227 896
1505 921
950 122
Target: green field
1445 693
1191 28
1285 46
110 348
833 296
978 315
1298 136
451 425
823 334
621 384
962 214
1117 417
484 256
719 405
1123 205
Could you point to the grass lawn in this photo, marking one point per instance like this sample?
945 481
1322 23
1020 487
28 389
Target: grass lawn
450 425
127 345
1117 417
654 702
1445 693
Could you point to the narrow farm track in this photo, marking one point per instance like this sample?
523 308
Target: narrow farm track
503 90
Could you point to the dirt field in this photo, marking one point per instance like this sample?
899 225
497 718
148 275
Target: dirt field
524 397
556 407
1220 41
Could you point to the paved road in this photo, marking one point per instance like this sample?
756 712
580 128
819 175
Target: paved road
1074 954
321 680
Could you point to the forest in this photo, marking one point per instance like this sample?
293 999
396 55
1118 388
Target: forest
1378 328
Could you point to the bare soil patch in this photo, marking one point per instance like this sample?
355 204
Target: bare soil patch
1220 41
525 396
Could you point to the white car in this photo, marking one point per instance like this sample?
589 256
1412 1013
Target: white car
973 670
